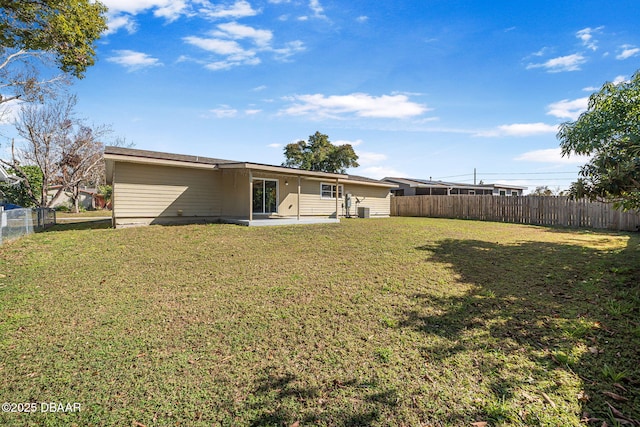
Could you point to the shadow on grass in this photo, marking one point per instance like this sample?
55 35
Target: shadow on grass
88 224
555 306
277 399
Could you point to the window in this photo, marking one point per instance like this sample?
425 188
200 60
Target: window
514 193
503 192
328 191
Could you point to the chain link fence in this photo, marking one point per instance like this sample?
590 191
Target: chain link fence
15 223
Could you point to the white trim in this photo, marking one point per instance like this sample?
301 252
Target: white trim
340 188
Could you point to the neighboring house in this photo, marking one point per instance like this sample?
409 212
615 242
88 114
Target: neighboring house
161 188
423 187
88 198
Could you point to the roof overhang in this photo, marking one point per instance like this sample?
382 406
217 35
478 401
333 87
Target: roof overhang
110 159
125 155
282 170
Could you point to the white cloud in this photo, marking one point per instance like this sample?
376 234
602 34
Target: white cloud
138 6
362 19
224 112
620 79
356 104
214 45
240 45
252 112
519 129
628 51
122 12
586 35
316 8
171 10
233 52
240 9
274 145
561 63
115 23
366 159
568 109
551 155
237 31
289 49
133 60
344 142
378 172
9 111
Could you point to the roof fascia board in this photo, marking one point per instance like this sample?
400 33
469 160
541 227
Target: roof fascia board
282 170
154 161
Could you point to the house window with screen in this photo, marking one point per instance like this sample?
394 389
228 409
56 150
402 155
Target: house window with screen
328 191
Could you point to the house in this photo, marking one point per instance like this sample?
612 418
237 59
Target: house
88 198
161 188
423 187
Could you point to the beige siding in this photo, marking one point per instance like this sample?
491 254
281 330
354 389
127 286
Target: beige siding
149 191
311 202
149 194
235 193
377 199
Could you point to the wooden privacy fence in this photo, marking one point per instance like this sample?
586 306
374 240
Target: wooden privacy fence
536 210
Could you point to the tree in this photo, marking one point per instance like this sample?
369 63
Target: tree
65 148
609 131
59 31
544 190
319 154
23 193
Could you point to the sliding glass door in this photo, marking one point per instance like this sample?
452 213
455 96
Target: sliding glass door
265 196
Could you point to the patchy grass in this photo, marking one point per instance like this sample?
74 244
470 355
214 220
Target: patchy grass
85 214
402 321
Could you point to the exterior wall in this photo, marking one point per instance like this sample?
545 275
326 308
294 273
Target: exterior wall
377 199
312 204
235 193
160 194
85 200
408 190
150 194
508 191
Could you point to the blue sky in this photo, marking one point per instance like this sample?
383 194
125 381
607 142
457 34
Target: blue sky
421 88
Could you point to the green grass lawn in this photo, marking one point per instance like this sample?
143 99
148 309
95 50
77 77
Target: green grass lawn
400 321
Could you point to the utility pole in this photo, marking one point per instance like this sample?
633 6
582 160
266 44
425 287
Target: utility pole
474 176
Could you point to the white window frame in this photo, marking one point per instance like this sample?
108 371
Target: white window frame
332 191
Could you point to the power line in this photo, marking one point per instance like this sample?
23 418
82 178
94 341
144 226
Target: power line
480 174
526 173
455 176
